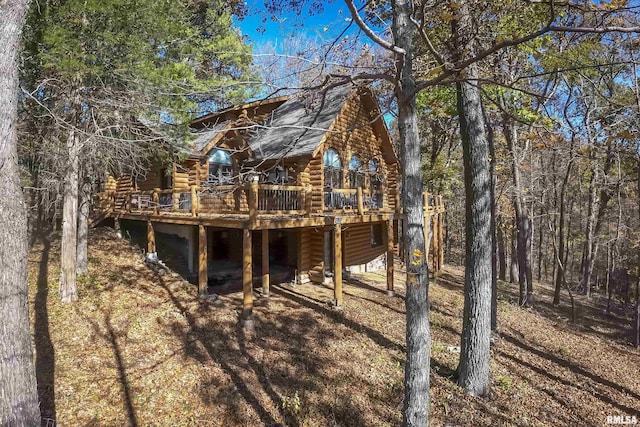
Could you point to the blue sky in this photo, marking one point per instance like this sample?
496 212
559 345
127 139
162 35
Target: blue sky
325 25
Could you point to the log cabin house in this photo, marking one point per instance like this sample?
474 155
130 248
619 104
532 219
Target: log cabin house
306 184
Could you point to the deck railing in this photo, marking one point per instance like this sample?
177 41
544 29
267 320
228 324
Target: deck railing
355 199
248 199
280 198
251 199
341 198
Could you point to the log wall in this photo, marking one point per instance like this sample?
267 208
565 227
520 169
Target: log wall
357 243
351 133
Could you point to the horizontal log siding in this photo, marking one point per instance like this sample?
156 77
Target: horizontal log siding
313 170
357 244
304 263
152 180
392 187
180 177
194 177
110 183
353 133
124 183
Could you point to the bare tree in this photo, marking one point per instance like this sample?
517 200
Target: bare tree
19 398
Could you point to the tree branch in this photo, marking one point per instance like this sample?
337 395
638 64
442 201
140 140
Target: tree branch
369 32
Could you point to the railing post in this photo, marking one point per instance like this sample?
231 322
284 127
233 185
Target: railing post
156 201
360 202
194 201
253 201
397 200
308 197
127 204
175 200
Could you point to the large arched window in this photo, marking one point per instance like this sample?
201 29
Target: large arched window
332 169
356 175
220 168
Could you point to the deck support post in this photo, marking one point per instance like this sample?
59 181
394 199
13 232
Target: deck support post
203 272
337 265
151 240
265 263
247 280
116 227
390 291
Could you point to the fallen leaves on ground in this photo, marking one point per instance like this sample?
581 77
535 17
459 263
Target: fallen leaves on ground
140 348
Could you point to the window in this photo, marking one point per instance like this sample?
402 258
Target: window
332 169
356 175
220 168
377 238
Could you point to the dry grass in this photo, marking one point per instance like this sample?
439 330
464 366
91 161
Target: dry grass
139 348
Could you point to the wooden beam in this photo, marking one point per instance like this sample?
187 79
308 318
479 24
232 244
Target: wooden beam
151 238
337 265
247 280
203 272
360 201
265 263
390 291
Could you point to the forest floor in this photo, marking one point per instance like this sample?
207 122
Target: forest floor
140 349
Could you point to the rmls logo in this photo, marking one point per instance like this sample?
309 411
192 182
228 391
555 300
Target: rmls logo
622 419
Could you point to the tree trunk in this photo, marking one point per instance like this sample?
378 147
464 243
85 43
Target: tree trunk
588 260
473 370
540 236
560 273
83 226
418 336
494 245
638 272
513 270
522 220
528 246
68 290
502 257
19 396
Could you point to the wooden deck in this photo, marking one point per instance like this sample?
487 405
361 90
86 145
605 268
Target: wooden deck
266 207
255 207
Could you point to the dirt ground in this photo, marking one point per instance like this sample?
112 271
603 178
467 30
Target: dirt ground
140 349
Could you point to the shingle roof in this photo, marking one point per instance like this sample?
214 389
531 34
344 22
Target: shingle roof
205 135
296 127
